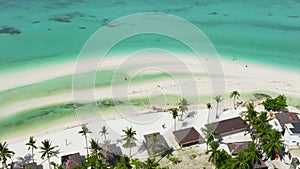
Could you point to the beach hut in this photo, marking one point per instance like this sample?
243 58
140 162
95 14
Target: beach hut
236 147
71 161
156 143
229 126
286 118
188 136
112 153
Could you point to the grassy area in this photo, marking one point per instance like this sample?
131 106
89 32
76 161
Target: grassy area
64 84
44 117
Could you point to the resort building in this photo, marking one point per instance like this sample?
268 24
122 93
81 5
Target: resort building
292 134
188 136
229 126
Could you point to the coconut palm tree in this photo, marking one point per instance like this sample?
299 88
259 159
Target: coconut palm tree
183 106
209 133
129 138
124 163
104 132
214 152
84 131
208 105
31 145
5 153
174 112
150 164
218 99
47 150
240 161
252 154
235 95
95 148
272 143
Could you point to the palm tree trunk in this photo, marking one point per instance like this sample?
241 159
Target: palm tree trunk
217 116
32 154
130 148
234 105
86 144
208 116
49 161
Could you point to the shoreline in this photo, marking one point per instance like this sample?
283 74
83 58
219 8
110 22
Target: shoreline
240 76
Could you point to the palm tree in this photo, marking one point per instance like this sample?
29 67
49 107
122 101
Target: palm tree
150 164
174 112
208 105
252 154
104 132
129 138
124 163
47 150
5 153
31 145
183 106
95 148
84 131
218 99
214 152
272 143
240 161
235 95
209 133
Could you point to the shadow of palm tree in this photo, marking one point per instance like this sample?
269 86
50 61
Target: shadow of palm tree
191 114
184 124
119 140
106 142
21 161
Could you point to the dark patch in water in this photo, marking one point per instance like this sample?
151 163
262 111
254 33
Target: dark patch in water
81 27
65 20
213 13
9 30
293 16
34 22
269 14
67 17
49 29
92 16
105 21
225 15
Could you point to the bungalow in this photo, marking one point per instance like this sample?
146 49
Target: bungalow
236 147
188 136
71 161
286 118
156 143
112 153
229 126
292 134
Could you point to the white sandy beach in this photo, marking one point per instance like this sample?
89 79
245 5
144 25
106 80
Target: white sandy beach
240 76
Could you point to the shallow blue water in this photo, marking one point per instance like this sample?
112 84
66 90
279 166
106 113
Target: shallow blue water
42 31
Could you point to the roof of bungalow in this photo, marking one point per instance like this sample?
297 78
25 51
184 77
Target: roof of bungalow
156 143
187 136
286 118
260 165
229 126
71 160
112 153
236 147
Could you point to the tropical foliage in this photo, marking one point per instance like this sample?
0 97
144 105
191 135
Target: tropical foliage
129 138
84 131
31 146
276 104
5 153
235 95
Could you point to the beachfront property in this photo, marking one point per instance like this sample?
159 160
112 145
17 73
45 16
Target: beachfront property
229 126
187 137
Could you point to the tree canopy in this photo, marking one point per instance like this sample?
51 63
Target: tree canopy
276 104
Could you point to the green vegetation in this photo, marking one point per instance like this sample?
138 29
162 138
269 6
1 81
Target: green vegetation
276 104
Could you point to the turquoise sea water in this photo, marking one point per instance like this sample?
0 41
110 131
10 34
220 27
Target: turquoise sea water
37 32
